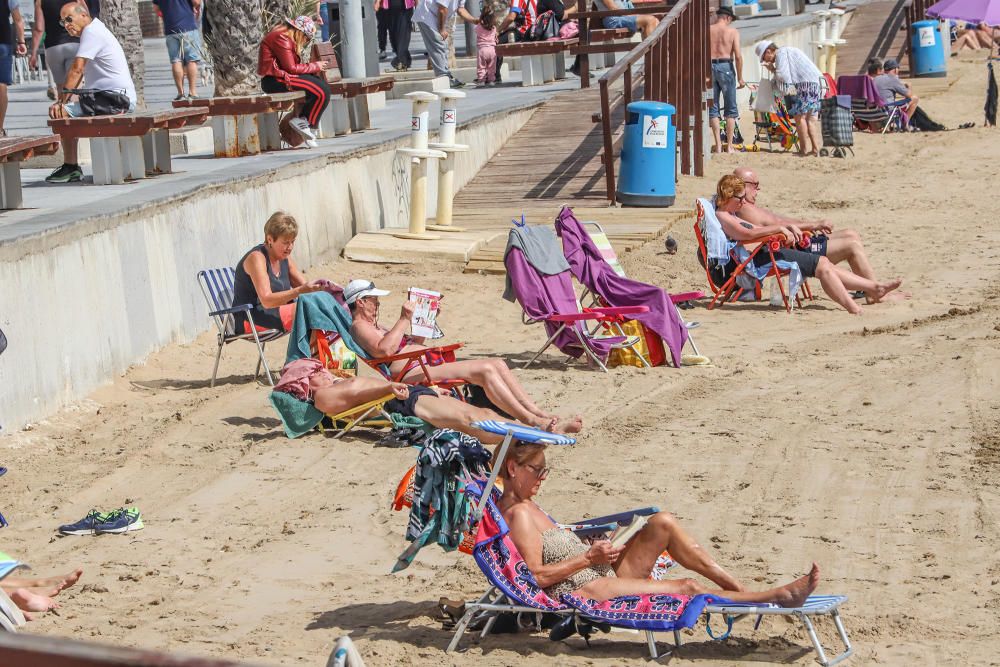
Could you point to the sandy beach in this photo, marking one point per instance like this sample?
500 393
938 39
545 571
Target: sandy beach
869 444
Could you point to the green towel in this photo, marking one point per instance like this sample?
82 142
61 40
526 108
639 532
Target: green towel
319 310
298 417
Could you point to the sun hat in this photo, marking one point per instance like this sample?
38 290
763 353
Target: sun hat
762 46
890 64
303 23
358 289
726 11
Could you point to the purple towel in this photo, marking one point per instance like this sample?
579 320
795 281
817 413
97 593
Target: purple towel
543 296
588 266
860 87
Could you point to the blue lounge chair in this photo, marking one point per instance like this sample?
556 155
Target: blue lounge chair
217 286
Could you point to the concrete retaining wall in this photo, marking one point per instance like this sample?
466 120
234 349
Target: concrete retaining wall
85 302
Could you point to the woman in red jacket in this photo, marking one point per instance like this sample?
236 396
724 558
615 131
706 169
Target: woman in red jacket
281 70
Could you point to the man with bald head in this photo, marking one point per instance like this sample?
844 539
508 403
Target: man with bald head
837 246
101 59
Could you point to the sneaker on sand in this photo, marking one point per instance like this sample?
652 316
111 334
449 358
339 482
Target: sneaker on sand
67 173
122 520
85 526
301 125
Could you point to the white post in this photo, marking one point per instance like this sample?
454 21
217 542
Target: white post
446 174
419 154
352 39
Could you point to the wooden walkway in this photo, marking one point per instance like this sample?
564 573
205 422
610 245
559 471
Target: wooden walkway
876 30
555 159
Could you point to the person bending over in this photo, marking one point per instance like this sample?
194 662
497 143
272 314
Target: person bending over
562 563
493 375
841 245
730 199
268 279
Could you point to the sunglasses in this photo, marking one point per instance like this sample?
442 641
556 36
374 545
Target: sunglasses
540 473
756 184
66 20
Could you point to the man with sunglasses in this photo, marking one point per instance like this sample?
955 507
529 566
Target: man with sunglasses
842 245
101 60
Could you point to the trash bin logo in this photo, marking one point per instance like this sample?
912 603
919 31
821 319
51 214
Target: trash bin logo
926 35
654 131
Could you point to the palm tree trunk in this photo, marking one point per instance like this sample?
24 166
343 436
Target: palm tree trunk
235 38
122 19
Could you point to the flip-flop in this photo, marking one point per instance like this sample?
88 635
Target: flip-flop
858 295
10 611
966 126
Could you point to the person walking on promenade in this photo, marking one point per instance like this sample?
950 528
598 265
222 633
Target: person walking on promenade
101 60
180 27
281 70
432 18
727 76
399 20
800 79
9 10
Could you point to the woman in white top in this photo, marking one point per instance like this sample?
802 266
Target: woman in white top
799 79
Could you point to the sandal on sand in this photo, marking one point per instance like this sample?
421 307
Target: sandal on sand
966 126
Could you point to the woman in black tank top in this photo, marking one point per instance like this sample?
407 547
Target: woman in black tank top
268 279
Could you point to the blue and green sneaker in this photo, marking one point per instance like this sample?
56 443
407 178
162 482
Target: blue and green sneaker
85 526
121 520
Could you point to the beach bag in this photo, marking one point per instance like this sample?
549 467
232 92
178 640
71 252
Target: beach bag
546 26
101 102
569 30
331 350
650 346
764 101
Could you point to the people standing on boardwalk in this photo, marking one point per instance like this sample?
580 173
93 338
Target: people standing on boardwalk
486 48
432 18
60 46
180 28
727 75
399 22
110 90
9 11
281 70
799 79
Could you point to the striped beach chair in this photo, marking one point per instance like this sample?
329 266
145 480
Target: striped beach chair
217 286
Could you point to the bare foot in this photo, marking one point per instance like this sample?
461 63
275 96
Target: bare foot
891 297
573 425
882 289
28 601
63 582
730 149
795 593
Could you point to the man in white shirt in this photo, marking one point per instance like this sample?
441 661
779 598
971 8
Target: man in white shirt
101 59
432 17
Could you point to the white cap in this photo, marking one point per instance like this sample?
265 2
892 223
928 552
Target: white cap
760 47
358 289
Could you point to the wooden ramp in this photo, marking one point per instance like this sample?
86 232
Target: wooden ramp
554 160
876 30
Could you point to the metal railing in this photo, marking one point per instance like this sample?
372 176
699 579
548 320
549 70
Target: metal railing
675 69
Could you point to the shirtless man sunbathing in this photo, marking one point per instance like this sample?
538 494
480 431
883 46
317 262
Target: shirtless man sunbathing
332 395
841 245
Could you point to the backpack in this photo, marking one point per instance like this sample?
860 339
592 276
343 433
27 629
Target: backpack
546 26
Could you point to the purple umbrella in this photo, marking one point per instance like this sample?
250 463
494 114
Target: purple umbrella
971 11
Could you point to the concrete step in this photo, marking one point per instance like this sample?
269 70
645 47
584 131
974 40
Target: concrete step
414 80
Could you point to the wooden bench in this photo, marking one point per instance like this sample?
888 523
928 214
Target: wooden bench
541 62
128 146
348 110
610 35
245 124
13 151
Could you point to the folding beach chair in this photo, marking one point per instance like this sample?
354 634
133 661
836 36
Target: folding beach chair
551 299
217 286
602 243
868 107
513 588
725 283
776 127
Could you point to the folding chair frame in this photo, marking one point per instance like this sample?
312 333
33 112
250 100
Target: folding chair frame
225 321
730 290
631 342
358 415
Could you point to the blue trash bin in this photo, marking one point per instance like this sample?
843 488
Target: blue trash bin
928 54
649 156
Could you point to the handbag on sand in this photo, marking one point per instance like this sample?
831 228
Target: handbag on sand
764 102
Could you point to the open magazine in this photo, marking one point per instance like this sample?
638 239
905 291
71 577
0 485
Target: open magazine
424 320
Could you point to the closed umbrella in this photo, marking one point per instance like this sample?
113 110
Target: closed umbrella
991 99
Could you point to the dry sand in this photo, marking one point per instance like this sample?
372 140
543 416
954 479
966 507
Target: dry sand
870 445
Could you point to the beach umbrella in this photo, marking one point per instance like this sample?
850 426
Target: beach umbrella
991 98
971 11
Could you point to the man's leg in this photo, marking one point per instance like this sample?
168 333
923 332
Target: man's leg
437 50
177 69
911 108
715 111
646 24
445 412
192 76
69 147
3 105
845 245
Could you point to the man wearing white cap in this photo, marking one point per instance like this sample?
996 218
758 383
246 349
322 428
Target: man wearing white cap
493 375
799 79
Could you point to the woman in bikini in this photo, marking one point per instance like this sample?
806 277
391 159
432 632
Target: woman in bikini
493 375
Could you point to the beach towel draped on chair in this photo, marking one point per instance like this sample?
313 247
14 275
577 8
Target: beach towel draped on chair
588 266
